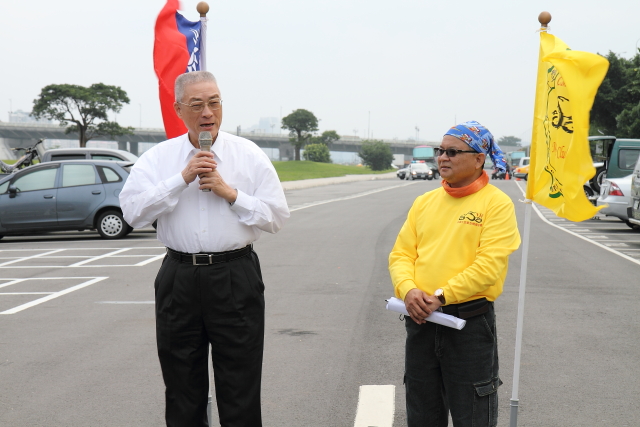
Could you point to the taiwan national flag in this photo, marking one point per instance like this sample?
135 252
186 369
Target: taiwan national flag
177 50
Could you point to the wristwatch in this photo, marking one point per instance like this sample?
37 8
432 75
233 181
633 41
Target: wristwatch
439 293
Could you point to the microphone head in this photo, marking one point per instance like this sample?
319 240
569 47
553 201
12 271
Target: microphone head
205 140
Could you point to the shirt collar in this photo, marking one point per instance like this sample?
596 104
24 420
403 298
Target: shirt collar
186 148
218 146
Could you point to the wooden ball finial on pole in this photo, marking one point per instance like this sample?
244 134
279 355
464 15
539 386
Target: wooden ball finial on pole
203 8
544 18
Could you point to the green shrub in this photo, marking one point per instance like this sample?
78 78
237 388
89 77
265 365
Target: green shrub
376 154
317 153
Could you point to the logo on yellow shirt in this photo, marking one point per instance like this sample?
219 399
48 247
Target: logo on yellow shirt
471 218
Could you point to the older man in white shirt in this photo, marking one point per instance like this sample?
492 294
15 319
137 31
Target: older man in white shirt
209 288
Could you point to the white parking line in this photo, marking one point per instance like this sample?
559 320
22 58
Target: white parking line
54 294
125 302
150 260
78 264
31 257
86 259
376 406
12 282
353 196
620 254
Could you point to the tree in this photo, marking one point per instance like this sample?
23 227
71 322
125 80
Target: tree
300 124
85 107
317 153
376 154
327 138
619 92
509 140
629 123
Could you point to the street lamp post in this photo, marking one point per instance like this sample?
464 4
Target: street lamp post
417 133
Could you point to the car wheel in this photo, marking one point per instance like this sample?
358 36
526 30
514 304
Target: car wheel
588 191
525 177
1 236
111 225
596 181
632 226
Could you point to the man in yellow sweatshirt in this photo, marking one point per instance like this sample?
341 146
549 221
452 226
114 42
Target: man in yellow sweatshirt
452 255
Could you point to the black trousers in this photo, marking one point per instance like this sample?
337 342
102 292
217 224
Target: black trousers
221 304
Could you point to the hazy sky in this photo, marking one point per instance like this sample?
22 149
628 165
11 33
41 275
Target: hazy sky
407 62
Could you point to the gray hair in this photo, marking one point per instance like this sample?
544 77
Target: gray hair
186 79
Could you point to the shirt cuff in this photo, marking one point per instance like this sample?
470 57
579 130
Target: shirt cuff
242 204
176 182
403 288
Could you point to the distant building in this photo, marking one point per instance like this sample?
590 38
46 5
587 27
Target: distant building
266 125
20 116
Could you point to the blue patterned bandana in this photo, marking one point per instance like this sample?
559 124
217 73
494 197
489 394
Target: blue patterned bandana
480 139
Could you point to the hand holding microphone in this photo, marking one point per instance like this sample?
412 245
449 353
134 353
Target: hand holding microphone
200 164
205 140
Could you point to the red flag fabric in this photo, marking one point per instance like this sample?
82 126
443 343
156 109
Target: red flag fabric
170 59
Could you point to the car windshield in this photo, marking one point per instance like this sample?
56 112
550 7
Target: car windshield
419 166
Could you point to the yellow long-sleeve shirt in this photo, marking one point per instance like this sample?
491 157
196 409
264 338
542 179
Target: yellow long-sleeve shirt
461 245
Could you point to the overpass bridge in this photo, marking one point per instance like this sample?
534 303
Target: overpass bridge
14 135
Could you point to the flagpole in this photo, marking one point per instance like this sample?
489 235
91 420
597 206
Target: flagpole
203 9
544 18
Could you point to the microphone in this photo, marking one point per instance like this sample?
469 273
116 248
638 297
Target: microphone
205 140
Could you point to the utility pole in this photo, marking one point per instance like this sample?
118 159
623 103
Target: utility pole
417 133
369 127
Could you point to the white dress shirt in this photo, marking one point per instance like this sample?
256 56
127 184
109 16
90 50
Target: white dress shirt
191 220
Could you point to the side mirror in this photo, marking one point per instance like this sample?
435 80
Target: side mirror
12 191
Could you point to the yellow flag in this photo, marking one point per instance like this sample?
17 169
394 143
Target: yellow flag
560 158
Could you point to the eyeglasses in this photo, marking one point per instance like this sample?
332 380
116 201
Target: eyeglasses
451 152
196 107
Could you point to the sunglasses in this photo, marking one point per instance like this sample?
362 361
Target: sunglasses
451 152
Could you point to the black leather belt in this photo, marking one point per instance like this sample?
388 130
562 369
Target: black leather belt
209 258
468 309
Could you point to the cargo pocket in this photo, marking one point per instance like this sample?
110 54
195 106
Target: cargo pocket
485 403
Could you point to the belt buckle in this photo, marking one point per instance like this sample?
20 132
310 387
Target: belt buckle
195 259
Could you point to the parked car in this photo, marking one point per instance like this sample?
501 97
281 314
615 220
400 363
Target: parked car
633 210
64 196
434 169
402 173
522 172
87 153
612 157
616 192
419 171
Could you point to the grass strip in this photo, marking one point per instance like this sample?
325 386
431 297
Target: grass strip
296 171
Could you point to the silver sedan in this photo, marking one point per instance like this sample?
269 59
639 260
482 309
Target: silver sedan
615 193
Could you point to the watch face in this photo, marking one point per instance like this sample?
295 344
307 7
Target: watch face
439 292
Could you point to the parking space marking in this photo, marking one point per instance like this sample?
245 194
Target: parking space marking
86 260
12 282
31 257
50 295
140 264
78 264
376 406
125 302
339 199
542 217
